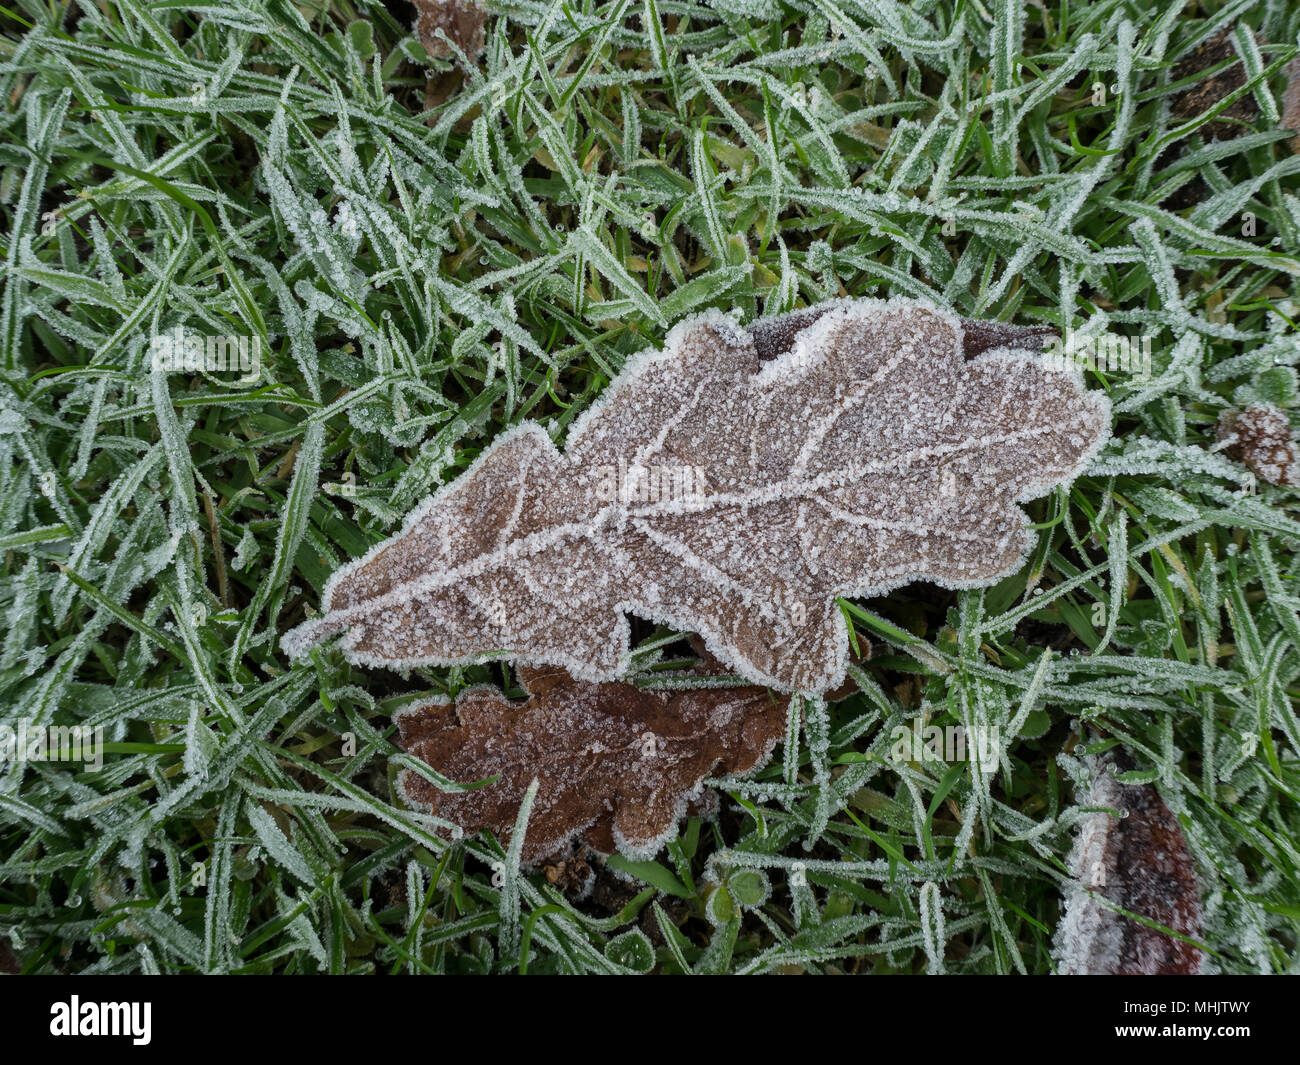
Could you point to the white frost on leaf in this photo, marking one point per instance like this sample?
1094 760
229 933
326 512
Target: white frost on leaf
1133 859
867 453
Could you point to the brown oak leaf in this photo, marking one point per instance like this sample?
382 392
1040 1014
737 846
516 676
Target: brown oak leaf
1139 862
617 766
715 491
462 21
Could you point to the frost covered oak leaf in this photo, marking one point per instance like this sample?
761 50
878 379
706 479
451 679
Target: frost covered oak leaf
1138 862
733 484
617 766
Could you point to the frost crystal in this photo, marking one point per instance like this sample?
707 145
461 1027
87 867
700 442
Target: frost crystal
617 766
733 484
1138 862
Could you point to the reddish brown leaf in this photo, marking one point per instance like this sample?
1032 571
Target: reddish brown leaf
617 766
1139 862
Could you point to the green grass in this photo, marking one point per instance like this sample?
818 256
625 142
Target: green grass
421 280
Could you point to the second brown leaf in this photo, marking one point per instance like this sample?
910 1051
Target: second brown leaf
617 766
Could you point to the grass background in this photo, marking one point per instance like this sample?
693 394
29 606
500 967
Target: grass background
428 258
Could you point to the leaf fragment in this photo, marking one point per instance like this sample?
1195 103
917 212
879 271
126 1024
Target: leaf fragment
462 21
1260 436
1137 862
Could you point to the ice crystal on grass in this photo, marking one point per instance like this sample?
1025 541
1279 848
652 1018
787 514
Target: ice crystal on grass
617 766
1133 859
840 452
1260 436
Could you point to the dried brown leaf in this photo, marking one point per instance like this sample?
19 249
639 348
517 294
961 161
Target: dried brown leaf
616 766
463 21
715 491
1260 436
1139 862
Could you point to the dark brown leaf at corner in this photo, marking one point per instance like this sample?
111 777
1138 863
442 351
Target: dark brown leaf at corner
1139 862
